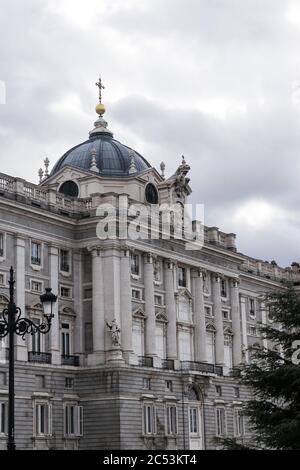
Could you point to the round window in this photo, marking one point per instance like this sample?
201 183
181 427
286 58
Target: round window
69 188
151 194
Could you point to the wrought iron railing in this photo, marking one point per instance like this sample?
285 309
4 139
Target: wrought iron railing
201 367
40 357
168 364
145 361
70 360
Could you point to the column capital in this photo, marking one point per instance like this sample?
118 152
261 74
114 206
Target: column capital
169 264
217 277
148 258
234 282
198 273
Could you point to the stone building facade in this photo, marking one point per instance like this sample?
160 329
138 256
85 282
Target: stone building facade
163 375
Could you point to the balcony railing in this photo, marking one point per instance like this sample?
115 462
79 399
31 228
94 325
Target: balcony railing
39 357
70 361
168 364
235 372
35 260
145 361
201 367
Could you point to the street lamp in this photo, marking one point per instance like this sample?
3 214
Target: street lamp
10 323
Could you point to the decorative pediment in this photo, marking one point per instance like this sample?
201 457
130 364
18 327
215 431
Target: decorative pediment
64 310
184 292
161 317
211 327
139 313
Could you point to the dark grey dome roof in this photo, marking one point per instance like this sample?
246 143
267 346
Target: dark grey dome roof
112 157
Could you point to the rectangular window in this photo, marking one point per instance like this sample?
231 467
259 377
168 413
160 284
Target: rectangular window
36 339
236 392
220 422
3 417
171 420
136 294
1 244
2 279
208 311
36 253
88 293
252 331
194 421
226 315
69 382
223 288
218 390
2 378
40 381
239 429
36 286
206 284
65 261
252 308
65 339
146 384
135 265
43 419
149 419
158 300
169 386
181 277
73 420
65 292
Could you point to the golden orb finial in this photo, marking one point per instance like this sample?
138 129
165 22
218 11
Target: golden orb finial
100 109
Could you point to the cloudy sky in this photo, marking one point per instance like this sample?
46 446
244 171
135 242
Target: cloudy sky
215 80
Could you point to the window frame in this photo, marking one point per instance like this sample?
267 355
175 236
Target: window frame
37 281
77 417
224 291
135 274
37 422
146 419
219 424
3 247
238 426
182 281
3 417
171 425
36 266
63 286
63 271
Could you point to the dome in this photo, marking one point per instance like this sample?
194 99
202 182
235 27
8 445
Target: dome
104 155
112 157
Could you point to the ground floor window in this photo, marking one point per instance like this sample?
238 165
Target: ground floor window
73 420
149 419
220 422
239 429
171 420
43 419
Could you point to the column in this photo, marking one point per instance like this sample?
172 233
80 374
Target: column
55 329
150 323
216 291
170 311
98 309
21 345
199 317
126 308
236 322
78 332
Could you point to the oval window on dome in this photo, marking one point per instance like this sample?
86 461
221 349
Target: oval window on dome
151 194
69 188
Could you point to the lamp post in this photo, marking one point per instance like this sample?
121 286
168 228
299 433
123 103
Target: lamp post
12 323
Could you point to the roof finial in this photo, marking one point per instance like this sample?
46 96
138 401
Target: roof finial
41 174
100 108
101 87
94 161
47 163
132 168
162 169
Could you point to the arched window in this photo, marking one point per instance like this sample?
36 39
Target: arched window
151 194
69 188
193 394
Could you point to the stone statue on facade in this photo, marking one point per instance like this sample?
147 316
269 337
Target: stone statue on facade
115 332
181 179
